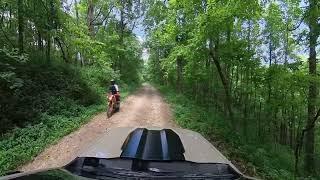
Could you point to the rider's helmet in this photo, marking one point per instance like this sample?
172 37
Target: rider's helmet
113 81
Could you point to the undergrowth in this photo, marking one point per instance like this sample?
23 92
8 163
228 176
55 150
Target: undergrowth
256 159
53 100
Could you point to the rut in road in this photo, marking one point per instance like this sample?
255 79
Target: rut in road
144 108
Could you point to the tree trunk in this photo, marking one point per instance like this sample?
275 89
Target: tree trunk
214 55
78 54
179 74
77 11
51 26
62 50
10 17
48 53
122 28
312 96
259 121
269 73
20 26
286 43
90 17
292 125
40 43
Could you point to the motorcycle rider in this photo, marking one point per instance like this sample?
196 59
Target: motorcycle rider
114 90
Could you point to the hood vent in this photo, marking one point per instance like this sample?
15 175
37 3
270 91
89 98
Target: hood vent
155 145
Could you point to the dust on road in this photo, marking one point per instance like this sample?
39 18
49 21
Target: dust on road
144 108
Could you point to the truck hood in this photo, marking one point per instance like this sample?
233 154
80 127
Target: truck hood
178 150
196 147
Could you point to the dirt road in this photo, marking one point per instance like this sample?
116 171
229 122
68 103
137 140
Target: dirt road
144 108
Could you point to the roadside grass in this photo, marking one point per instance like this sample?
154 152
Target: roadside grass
22 144
75 95
265 161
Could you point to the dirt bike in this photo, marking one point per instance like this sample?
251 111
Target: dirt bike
113 105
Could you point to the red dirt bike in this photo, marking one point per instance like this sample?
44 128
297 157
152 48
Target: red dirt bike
113 104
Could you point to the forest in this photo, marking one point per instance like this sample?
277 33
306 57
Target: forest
254 63
245 74
56 61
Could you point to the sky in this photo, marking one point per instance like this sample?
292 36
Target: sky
141 35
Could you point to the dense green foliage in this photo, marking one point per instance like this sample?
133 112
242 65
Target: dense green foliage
255 159
58 108
43 89
56 62
245 61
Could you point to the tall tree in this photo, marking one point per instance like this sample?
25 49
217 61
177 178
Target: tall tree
90 17
314 30
260 74
20 25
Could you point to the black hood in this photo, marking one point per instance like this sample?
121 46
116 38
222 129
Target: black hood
156 145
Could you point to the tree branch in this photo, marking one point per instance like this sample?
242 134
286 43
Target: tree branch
302 19
62 50
105 18
133 26
96 16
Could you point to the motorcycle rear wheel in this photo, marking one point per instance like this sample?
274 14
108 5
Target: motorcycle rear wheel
117 107
109 111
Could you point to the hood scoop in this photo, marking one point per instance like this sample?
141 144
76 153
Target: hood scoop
155 145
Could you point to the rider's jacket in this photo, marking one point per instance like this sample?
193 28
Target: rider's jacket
114 89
